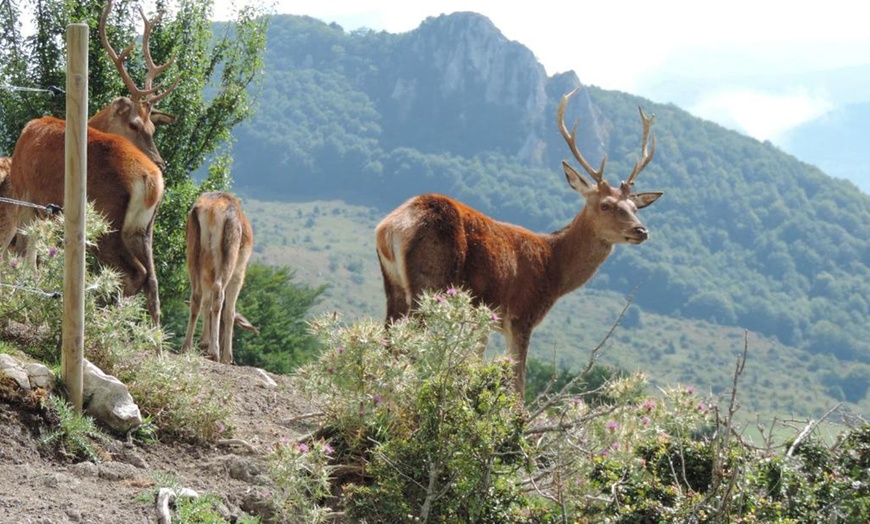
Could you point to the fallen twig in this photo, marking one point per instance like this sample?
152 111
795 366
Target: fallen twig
167 496
237 442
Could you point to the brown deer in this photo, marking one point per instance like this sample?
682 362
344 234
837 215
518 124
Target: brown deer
219 243
432 242
7 215
125 181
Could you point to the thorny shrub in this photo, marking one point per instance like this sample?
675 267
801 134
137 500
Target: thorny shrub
424 430
431 431
300 478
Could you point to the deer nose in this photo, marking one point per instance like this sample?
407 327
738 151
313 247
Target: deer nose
642 232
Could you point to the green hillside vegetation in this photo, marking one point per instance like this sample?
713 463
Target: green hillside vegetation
331 244
746 236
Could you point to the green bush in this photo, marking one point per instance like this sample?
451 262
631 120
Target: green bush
435 430
74 435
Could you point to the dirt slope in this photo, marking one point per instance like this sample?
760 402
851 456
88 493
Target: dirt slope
36 487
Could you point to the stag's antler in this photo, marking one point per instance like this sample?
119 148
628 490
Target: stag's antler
137 94
645 156
571 138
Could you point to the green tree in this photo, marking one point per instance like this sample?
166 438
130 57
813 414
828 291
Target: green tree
216 63
277 306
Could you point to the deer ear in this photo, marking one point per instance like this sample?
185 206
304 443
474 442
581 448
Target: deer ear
159 118
641 200
577 182
122 106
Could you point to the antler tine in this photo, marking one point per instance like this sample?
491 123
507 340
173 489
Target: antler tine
645 156
571 138
135 92
154 70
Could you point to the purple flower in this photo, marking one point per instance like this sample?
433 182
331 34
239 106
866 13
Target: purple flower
327 449
52 252
612 425
690 390
302 447
377 399
451 291
439 298
701 406
495 317
648 404
339 350
644 420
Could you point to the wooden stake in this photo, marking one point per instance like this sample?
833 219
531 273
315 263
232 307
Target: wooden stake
75 193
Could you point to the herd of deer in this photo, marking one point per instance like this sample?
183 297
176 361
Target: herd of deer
431 242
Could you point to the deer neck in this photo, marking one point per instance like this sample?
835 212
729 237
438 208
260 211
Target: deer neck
577 253
100 121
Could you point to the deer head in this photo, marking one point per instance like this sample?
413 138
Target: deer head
613 211
135 117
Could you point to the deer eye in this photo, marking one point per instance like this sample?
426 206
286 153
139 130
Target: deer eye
605 207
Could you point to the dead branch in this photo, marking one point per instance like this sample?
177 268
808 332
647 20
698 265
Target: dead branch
808 429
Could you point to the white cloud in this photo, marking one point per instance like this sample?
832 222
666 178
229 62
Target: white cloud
765 116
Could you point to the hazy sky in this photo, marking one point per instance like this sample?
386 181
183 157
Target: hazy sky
734 62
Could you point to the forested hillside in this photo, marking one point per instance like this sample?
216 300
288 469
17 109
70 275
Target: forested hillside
744 236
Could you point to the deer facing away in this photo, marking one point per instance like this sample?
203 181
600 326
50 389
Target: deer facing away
124 182
219 243
432 242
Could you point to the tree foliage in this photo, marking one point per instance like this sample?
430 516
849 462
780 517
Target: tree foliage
216 63
277 306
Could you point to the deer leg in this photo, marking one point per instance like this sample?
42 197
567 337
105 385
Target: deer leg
195 305
8 226
397 306
152 294
18 218
205 337
228 316
518 337
215 307
142 275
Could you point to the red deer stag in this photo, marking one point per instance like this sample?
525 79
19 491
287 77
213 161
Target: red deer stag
432 242
125 181
219 244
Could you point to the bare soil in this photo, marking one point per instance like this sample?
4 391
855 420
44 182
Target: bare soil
39 486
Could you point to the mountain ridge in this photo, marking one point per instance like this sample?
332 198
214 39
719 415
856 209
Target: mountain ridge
746 234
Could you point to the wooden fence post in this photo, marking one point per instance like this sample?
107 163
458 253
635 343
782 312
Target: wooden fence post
75 196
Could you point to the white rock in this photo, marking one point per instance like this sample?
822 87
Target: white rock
107 399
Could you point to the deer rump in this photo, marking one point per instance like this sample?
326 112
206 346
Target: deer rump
123 184
219 244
